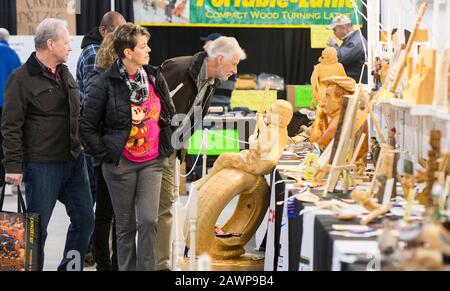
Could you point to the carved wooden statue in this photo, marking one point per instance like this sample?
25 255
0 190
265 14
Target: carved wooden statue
327 116
328 67
442 88
425 197
420 87
241 174
407 181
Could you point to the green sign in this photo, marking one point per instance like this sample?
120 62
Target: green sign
219 141
303 95
247 13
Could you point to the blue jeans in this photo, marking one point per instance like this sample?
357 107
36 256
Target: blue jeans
68 182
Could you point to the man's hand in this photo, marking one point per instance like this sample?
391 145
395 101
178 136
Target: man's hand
332 41
14 179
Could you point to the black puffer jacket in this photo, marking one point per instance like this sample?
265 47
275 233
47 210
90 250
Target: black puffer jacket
106 120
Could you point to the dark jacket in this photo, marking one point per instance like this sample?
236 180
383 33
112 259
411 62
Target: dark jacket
39 121
106 120
86 62
91 79
351 55
92 37
186 70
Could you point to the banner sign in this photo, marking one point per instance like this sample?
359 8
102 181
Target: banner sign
243 13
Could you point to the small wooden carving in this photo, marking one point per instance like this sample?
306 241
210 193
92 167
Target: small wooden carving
400 68
442 88
420 87
328 67
425 197
365 199
407 180
378 212
393 143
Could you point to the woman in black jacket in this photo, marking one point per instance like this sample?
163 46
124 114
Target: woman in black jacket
104 213
126 124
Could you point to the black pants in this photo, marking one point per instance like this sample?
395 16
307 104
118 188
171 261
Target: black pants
104 218
93 184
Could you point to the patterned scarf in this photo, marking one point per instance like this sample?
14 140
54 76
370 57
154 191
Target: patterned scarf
138 86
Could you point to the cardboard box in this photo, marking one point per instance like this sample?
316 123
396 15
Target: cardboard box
299 96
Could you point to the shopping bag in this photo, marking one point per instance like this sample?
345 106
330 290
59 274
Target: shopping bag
19 237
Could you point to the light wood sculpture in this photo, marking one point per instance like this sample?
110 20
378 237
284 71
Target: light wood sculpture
393 142
447 60
379 168
425 259
383 209
328 67
407 181
324 128
409 66
384 71
437 237
425 197
420 87
240 174
435 242
385 173
442 88
398 76
365 199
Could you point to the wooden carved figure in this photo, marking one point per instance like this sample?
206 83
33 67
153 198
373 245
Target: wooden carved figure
420 87
425 197
325 126
328 67
240 174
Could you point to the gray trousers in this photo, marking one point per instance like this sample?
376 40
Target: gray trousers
164 227
134 189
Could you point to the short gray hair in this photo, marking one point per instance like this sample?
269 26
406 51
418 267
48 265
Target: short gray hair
47 29
4 34
227 47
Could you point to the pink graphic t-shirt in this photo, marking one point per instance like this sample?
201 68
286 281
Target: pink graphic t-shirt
142 145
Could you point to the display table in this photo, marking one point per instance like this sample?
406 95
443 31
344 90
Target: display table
303 242
329 247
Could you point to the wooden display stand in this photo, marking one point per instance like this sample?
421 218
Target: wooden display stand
345 142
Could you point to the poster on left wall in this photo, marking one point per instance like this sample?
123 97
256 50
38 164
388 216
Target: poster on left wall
31 13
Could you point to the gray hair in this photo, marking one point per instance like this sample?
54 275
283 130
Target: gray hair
226 47
47 29
4 34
